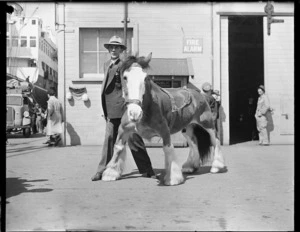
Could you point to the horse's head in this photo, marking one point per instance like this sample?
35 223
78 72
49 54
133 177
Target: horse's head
133 82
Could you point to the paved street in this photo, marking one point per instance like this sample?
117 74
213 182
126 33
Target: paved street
49 188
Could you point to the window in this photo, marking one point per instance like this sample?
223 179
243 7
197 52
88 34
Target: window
33 22
23 41
32 41
14 41
93 54
169 82
13 100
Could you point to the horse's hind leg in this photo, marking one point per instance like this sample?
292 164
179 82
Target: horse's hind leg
193 161
218 161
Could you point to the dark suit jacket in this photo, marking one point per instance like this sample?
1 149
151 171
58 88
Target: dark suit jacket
115 92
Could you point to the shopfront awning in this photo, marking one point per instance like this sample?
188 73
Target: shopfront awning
171 67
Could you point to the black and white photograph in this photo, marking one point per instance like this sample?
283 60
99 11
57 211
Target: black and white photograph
149 116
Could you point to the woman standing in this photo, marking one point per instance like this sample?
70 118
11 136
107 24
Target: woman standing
262 109
55 118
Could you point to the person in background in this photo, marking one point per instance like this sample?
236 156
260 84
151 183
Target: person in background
208 93
113 109
263 107
38 121
216 96
33 119
54 119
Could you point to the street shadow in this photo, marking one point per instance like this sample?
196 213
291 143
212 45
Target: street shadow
201 171
25 150
16 186
160 173
75 139
19 135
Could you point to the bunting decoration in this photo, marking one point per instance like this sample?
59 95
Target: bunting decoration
77 93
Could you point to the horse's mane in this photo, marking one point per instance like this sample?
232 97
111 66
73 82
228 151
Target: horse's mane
133 59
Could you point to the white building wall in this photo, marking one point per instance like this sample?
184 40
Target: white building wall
158 28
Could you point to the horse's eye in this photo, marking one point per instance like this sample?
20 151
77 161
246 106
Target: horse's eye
125 78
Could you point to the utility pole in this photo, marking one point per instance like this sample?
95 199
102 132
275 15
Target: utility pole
125 21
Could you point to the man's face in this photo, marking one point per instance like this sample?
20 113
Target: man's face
115 51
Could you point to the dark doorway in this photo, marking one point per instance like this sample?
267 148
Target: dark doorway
246 73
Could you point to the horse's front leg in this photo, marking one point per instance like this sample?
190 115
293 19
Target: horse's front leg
115 167
173 169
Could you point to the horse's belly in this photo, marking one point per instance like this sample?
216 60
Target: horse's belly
146 132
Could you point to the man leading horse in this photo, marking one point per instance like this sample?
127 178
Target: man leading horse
113 109
152 111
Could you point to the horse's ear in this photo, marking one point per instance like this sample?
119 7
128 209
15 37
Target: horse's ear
148 58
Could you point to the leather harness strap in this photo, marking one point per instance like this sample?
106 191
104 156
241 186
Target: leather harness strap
175 108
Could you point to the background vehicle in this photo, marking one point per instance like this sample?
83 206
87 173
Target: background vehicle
19 107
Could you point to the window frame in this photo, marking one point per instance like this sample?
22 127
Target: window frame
14 39
22 39
100 72
32 39
172 79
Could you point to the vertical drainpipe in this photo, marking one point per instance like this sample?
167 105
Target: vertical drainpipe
64 90
61 54
212 44
125 22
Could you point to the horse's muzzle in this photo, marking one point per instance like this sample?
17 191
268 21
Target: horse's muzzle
135 112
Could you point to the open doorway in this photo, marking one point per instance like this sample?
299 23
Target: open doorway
246 73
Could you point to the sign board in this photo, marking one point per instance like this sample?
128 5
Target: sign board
192 45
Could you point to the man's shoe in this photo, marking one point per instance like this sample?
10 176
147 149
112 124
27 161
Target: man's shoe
57 141
150 175
97 176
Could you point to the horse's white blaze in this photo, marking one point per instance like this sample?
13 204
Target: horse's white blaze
173 170
136 89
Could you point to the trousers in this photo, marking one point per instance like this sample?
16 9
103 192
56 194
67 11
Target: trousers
261 123
135 143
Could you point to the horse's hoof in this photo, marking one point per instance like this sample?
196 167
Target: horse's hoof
214 170
110 175
174 181
217 166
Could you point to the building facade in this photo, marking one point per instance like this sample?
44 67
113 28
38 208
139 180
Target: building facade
234 46
30 51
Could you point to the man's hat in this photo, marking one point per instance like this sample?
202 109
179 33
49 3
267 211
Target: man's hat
262 88
216 92
115 40
206 87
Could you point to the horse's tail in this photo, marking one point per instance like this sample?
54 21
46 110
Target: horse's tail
203 141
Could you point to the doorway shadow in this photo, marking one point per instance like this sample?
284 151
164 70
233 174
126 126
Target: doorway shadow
16 186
